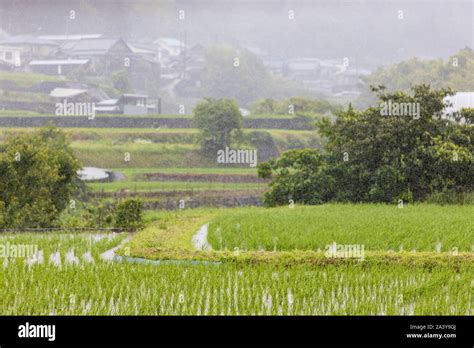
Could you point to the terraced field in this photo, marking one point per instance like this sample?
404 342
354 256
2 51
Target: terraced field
228 283
420 227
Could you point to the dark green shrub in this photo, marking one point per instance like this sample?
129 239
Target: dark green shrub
129 214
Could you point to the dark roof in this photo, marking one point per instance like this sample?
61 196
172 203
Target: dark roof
92 46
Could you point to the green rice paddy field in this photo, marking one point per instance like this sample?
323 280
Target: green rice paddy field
258 281
422 227
226 289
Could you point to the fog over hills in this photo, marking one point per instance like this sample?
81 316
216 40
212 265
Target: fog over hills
370 33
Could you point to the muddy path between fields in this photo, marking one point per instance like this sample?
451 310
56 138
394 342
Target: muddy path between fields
199 241
179 193
223 178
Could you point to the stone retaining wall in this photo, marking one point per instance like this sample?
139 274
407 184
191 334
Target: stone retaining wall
134 122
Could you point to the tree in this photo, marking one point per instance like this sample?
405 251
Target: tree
234 74
297 175
121 81
302 106
37 178
369 157
129 214
219 122
456 72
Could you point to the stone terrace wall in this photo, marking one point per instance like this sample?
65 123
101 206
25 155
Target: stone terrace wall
137 122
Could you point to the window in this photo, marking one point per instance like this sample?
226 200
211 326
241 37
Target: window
8 55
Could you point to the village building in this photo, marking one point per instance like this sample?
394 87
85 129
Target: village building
58 67
114 54
128 104
73 95
21 49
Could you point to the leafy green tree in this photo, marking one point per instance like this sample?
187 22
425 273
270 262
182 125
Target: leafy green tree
369 157
219 122
37 178
129 214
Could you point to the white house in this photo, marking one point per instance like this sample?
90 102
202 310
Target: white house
11 54
459 101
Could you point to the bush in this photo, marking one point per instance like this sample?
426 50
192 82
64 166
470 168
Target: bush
451 197
129 214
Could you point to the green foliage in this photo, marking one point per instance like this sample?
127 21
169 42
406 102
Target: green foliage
451 197
219 122
100 215
121 81
298 176
374 158
244 80
299 106
37 178
468 115
457 72
264 143
129 214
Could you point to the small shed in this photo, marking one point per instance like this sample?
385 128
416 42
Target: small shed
133 104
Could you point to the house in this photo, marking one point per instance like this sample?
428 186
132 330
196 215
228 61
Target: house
310 68
66 38
145 51
3 34
6 64
128 104
72 95
457 102
57 67
114 54
19 50
196 57
89 48
11 54
108 106
169 46
133 104
73 102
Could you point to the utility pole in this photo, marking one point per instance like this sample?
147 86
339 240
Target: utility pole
184 55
